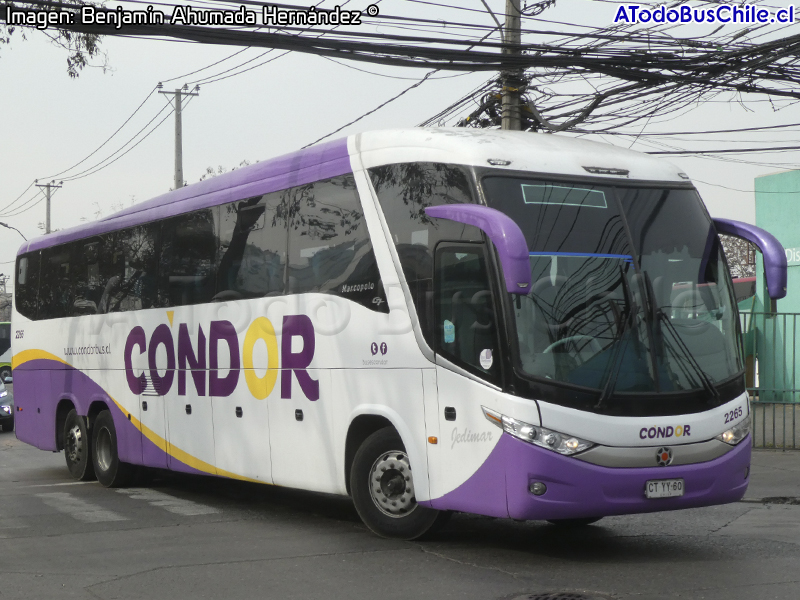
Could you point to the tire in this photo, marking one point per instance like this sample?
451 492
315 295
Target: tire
574 522
383 489
77 447
5 372
8 426
110 471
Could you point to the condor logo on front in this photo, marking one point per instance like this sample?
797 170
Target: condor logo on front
669 431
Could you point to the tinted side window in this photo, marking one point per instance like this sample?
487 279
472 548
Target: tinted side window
404 191
87 279
130 267
252 249
187 273
56 292
5 337
26 288
329 246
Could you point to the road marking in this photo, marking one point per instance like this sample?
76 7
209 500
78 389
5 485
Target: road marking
12 523
79 509
175 505
38 485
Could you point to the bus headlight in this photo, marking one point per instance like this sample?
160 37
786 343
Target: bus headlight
541 436
735 434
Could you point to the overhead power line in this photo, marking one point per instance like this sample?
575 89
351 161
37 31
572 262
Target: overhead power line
729 150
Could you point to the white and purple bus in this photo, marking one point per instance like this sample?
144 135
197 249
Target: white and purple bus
430 320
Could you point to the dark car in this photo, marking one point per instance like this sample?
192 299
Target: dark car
6 408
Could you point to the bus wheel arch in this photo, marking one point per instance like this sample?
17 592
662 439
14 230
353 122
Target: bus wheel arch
382 488
64 407
95 408
360 429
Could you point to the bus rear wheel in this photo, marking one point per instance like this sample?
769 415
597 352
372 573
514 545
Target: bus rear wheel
110 471
77 449
382 488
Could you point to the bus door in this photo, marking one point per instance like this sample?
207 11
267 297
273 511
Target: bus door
466 337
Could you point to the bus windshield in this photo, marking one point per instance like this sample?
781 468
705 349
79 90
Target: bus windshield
630 293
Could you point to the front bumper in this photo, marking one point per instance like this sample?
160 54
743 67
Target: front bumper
577 489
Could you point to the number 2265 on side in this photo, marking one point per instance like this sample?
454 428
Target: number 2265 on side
664 488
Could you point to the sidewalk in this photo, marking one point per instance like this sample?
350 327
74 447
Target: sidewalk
774 474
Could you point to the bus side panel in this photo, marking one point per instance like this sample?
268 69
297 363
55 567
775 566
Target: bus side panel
83 390
129 438
35 410
466 441
397 395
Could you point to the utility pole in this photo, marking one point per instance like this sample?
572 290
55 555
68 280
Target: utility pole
512 79
48 187
179 94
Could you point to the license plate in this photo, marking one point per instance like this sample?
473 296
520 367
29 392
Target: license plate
664 488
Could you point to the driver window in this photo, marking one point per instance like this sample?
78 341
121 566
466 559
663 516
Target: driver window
466 328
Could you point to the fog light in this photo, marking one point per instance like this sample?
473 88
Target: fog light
537 488
747 471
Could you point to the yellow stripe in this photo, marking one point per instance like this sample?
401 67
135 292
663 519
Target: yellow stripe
162 444
179 454
21 358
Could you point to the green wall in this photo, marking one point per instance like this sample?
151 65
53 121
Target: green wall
776 338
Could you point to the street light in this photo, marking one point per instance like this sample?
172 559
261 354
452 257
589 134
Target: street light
7 226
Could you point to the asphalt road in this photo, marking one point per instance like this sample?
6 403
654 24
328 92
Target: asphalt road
196 537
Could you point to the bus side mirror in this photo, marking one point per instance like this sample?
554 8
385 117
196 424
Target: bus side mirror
770 247
504 233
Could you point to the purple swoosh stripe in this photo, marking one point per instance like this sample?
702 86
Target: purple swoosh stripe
40 384
577 489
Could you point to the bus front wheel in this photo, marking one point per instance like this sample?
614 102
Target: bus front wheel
110 471
382 488
77 447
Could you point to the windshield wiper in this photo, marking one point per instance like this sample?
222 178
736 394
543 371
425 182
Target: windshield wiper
625 322
687 355
658 316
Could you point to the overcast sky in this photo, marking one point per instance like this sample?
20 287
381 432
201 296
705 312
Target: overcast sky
50 122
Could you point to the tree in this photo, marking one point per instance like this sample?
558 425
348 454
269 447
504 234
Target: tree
741 256
80 47
210 172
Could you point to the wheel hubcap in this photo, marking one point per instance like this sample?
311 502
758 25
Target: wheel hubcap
103 449
391 485
74 445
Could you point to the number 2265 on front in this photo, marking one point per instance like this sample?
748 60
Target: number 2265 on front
663 488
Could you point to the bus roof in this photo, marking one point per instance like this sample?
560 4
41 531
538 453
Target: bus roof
539 153
535 152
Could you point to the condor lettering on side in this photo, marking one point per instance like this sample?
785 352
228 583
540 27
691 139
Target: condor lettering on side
222 338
